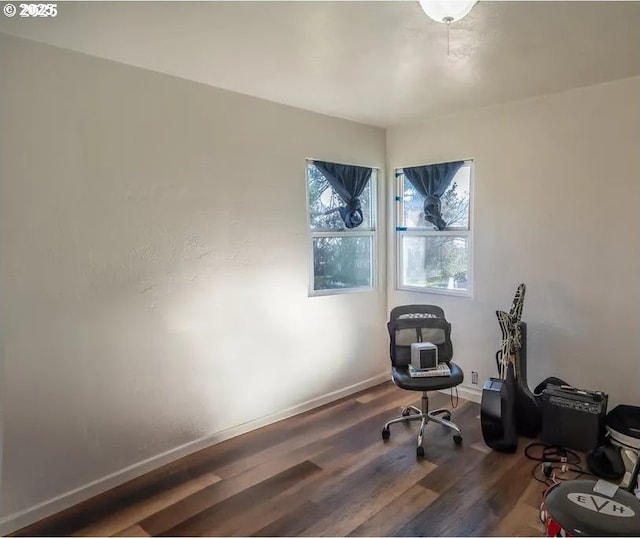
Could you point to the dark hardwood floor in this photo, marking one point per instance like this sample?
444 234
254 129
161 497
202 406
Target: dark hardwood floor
326 473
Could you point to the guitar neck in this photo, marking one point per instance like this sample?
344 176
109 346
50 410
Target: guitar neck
510 326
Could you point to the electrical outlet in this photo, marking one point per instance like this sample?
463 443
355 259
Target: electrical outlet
474 378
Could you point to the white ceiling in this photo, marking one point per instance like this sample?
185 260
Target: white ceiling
381 63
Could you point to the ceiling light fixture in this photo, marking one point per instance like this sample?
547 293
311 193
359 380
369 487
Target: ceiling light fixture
447 11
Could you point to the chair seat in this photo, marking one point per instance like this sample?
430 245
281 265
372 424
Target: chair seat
402 379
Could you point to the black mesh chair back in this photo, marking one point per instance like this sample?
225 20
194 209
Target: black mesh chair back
418 323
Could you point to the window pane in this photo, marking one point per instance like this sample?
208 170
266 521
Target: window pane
435 261
324 202
454 202
342 262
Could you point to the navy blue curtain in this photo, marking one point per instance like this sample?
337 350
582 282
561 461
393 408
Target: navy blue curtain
349 182
431 181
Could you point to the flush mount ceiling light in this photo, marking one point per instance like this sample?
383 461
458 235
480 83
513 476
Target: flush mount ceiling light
447 11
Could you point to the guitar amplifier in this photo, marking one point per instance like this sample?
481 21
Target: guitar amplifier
573 418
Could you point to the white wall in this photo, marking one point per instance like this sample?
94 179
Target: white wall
557 205
154 270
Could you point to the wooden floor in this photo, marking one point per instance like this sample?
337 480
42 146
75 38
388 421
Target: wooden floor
326 473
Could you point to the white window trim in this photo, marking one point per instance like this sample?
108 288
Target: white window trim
346 232
402 232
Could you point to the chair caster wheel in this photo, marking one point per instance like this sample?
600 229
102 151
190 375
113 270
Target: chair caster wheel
406 412
386 433
420 452
457 439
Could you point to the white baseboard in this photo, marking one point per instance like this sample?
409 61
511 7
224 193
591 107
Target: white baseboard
473 394
46 508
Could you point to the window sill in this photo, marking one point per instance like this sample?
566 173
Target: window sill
339 291
437 291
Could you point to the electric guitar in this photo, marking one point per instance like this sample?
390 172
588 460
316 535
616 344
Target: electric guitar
498 415
528 413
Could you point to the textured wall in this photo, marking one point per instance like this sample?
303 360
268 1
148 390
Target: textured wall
557 205
154 269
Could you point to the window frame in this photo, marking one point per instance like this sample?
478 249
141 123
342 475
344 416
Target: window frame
403 231
344 232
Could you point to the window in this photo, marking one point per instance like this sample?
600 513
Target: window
433 228
343 249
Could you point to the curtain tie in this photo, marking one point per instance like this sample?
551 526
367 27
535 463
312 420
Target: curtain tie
352 213
432 211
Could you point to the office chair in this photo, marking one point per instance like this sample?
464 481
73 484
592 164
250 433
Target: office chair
421 323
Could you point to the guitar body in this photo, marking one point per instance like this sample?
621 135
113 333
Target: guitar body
497 413
508 408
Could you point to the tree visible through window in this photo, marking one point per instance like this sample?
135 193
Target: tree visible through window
342 258
432 259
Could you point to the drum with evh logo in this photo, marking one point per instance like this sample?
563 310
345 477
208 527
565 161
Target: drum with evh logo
591 508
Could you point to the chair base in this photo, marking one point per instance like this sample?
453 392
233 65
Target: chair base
412 413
